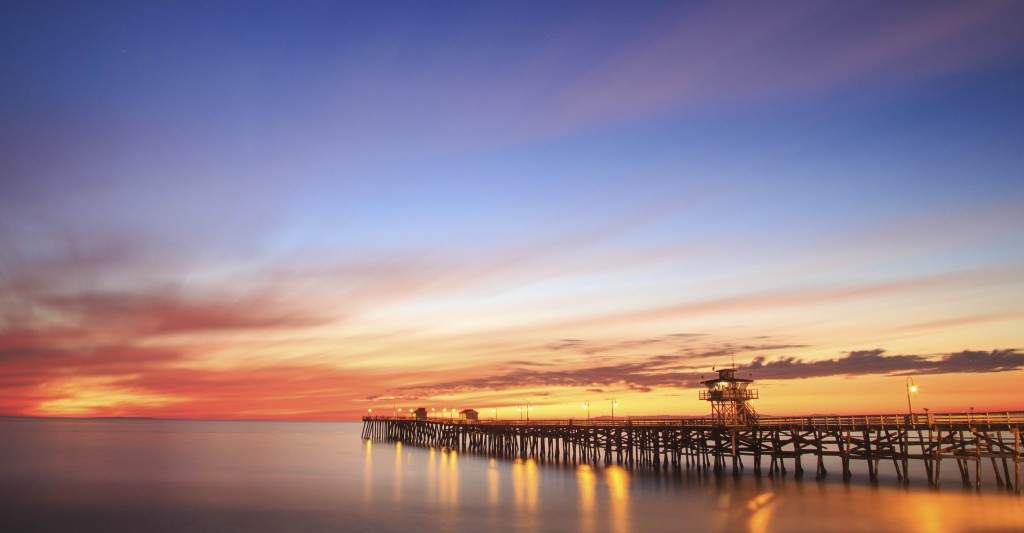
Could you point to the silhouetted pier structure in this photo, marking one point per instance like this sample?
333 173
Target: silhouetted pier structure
967 439
734 431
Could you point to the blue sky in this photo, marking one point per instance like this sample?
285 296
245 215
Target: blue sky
468 182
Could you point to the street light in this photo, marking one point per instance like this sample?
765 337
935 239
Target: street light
586 405
910 388
432 411
495 411
615 403
529 408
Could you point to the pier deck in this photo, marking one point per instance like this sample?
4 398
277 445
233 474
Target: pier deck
968 439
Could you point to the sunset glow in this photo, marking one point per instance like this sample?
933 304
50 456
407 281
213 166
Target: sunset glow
308 211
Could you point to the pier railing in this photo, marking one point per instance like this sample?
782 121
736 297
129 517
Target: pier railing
929 438
950 420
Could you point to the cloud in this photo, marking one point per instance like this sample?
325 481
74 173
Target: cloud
670 372
41 363
853 363
164 311
980 361
959 321
656 371
615 64
791 297
719 54
692 346
135 380
106 362
877 362
121 352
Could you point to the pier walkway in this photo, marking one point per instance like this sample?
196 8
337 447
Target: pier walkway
967 439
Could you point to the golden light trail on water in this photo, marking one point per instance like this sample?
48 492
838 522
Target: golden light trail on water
398 472
762 507
368 471
618 480
587 482
493 484
449 481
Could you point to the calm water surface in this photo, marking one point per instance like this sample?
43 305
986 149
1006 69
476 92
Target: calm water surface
141 475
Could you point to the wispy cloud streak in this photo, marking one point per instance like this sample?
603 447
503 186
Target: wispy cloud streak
680 372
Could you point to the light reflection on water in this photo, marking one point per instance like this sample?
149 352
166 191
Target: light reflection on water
585 480
493 483
267 476
368 472
617 479
761 507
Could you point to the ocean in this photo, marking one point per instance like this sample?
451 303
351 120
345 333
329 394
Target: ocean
170 475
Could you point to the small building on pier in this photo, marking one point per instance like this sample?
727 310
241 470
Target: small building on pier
469 414
421 413
729 397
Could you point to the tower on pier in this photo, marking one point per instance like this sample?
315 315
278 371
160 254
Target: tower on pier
729 397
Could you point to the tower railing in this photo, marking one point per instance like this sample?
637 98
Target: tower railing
726 395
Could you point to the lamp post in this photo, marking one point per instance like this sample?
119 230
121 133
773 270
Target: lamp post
369 412
586 405
519 408
615 403
432 410
529 407
910 388
495 411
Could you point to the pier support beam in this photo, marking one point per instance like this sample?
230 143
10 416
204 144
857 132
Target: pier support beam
659 444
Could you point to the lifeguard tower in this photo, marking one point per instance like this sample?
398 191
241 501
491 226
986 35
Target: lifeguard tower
729 398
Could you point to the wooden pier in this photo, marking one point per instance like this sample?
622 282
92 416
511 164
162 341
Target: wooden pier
967 439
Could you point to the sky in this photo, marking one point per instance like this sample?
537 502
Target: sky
312 210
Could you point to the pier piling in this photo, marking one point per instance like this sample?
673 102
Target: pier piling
702 443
